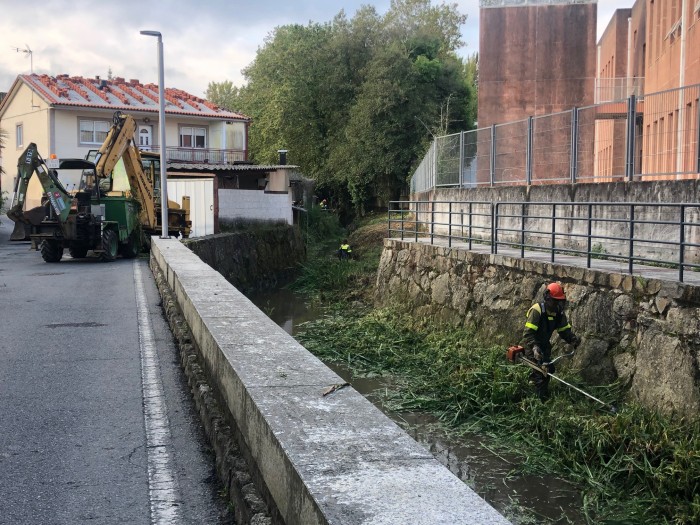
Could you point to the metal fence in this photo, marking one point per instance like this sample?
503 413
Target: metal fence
650 137
666 235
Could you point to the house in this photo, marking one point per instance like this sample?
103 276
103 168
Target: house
68 116
650 51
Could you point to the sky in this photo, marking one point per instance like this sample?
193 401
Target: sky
204 40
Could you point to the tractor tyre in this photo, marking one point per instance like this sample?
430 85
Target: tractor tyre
110 246
132 248
78 251
51 251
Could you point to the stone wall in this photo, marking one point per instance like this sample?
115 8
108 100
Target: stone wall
252 259
646 332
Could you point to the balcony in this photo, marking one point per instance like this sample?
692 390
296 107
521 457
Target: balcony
200 155
617 89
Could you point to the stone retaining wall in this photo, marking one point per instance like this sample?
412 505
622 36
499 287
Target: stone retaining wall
646 332
252 259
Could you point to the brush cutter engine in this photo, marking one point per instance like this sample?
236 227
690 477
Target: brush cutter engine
514 353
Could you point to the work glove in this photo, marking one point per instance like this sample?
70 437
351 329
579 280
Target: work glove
537 353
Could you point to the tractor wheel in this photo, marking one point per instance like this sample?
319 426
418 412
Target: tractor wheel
110 246
51 251
132 248
78 251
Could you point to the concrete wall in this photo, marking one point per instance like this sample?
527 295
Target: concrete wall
646 332
318 459
621 192
254 205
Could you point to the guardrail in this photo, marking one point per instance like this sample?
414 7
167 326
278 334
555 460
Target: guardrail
664 234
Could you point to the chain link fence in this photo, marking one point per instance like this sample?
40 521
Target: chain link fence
650 137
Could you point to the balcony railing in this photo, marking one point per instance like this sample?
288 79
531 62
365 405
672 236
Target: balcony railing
201 155
615 89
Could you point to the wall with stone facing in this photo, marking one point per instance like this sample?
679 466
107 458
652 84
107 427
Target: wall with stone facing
253 259
646 332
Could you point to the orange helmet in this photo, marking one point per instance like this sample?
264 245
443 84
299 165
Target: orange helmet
555 291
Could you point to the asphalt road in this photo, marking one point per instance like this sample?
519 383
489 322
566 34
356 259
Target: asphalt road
96 421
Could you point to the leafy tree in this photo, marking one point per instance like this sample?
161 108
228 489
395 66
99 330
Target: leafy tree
223 94
350 99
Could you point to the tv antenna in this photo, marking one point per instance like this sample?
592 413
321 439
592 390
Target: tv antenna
27 53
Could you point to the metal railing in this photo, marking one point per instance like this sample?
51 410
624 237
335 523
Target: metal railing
638 234
200 155
651 137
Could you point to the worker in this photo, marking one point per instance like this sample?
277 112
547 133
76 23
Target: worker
542 320
324 204
345 251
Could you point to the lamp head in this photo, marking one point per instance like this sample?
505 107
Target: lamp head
151 33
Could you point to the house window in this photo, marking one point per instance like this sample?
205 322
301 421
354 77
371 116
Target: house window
93 131
19 135
193 137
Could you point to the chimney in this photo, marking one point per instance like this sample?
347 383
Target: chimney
283 156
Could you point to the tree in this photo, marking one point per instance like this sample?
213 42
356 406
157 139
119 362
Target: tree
347 98
223 94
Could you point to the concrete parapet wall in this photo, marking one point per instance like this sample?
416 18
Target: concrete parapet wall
645 332
653 192
320 459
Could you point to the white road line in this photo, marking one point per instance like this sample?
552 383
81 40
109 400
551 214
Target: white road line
162 486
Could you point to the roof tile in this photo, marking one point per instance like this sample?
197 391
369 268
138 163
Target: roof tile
116 94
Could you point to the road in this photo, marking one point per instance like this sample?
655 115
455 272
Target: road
96 421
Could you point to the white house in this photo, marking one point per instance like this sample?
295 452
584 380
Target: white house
68 116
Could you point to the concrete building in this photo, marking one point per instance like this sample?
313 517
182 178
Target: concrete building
652 51
536 57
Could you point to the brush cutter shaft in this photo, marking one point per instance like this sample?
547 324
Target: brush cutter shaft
543 371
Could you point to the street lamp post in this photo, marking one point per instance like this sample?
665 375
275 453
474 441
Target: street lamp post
161 122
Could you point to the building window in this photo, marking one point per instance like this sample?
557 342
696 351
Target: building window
193 137
93 131
19 135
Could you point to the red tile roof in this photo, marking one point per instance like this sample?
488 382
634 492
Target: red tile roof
64 90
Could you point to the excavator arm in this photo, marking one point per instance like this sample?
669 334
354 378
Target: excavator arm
119 144
29 163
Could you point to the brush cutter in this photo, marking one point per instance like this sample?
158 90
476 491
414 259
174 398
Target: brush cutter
517 354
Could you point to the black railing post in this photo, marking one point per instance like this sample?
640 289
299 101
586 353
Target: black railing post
554 230
590 234
449 225
415 222
432 221
494 228
631 259
681 239
522 230
470 225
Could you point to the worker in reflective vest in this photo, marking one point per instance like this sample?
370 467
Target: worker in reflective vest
344 252
543 319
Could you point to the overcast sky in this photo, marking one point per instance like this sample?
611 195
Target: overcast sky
204 41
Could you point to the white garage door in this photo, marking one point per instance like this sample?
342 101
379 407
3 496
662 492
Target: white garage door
201 194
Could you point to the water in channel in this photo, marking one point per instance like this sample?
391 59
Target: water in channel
523 499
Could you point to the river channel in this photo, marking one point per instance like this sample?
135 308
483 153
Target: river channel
522 499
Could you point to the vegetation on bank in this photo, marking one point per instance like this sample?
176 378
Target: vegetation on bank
636 467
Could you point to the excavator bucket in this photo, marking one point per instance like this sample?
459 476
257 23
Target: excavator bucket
23 223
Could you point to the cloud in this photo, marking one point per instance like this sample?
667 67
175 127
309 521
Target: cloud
211 40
